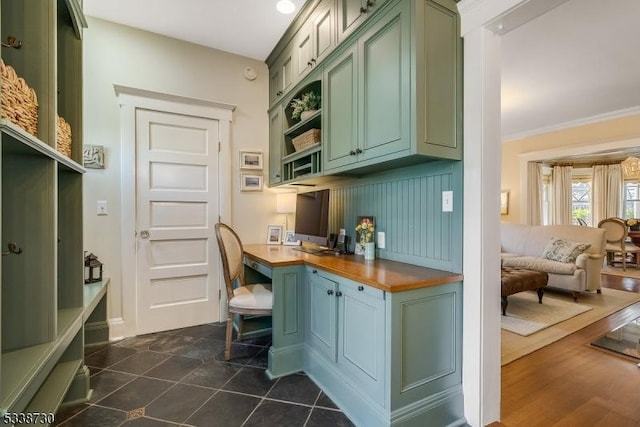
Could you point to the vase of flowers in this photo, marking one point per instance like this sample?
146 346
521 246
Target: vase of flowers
633 224
365 231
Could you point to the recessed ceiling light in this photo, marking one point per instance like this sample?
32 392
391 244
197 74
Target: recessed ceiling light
285 6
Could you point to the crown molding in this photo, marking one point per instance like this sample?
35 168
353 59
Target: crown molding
574 123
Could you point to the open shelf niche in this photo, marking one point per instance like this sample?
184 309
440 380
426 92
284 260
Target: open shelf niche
306 162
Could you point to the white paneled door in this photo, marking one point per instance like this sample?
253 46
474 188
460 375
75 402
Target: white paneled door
177 189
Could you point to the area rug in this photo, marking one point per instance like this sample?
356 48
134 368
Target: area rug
525 316
515 346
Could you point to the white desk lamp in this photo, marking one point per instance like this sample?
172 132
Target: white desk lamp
286 204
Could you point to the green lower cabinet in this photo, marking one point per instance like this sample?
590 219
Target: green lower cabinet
386 359
287 349
322 316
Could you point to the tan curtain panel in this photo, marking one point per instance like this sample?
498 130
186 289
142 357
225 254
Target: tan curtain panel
534 193
562 208
606 196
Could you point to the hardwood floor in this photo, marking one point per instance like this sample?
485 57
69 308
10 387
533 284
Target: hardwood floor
571 383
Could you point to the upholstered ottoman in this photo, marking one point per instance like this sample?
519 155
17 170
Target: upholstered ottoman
516 280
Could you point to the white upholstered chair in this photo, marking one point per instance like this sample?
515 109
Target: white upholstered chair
616 235
242 299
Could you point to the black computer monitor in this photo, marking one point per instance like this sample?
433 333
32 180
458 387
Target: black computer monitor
312 217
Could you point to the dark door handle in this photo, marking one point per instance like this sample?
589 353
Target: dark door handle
338 294
358 151
361 288
329 292
352 153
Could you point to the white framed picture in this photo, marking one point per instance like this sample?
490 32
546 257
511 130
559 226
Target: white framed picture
250 182
250 160
290 238
274 234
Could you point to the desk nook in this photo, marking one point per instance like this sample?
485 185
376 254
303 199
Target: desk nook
381 338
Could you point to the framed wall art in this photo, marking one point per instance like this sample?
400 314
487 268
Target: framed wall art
504 203
250 182
251 160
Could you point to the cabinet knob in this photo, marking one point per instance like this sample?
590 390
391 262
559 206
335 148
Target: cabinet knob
338 294
313 60
352 153
369 4
309 63
363 10
361 288
277 175
329 291
315 271
358 151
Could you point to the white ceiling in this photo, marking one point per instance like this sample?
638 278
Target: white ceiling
244 27
579 61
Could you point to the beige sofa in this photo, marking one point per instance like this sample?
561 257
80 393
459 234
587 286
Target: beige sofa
523 246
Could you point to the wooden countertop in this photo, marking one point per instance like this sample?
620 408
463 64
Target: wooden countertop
389 276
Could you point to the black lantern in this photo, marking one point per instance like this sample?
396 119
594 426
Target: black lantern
92 269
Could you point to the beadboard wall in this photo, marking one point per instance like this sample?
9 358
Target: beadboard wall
407 206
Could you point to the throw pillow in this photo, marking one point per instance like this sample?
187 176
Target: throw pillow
563 250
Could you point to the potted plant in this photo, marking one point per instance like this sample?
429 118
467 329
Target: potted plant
305 106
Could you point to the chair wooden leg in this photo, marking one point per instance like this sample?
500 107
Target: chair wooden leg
227 347
240 326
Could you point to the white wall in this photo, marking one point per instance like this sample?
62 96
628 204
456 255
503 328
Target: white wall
116 54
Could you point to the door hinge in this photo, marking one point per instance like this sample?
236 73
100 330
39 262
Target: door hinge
219 294
219 146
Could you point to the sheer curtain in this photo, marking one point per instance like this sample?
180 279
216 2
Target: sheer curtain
562 209
606 198
534 193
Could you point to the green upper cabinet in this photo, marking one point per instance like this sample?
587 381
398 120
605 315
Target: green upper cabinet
352 13
276 140
392 89
438 63
340 103
369 86
315 40
281 77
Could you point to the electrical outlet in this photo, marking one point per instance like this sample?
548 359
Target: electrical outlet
101 207
381 240
447 201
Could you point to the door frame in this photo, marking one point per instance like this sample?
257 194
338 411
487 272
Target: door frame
131 99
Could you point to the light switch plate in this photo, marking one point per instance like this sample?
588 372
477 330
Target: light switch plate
381 240
447 201
101 207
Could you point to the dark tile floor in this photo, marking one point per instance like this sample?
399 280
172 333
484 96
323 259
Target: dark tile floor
180 378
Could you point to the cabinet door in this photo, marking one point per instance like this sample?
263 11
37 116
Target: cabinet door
276 141
438 51
352 13
322 328
281 78
384 77
324 33
303 51
361 342
340 107
275 83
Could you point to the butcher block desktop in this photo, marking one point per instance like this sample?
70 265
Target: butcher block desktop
389 276
381 338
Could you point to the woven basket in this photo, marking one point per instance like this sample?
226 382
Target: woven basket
64 136
19 101
307 139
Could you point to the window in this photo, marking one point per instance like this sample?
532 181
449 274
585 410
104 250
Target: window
581 201
631 200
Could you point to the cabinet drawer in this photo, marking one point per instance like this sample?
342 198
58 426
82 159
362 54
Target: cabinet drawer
260 268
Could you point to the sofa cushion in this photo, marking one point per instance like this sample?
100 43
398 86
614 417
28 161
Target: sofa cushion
564 250
541 264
